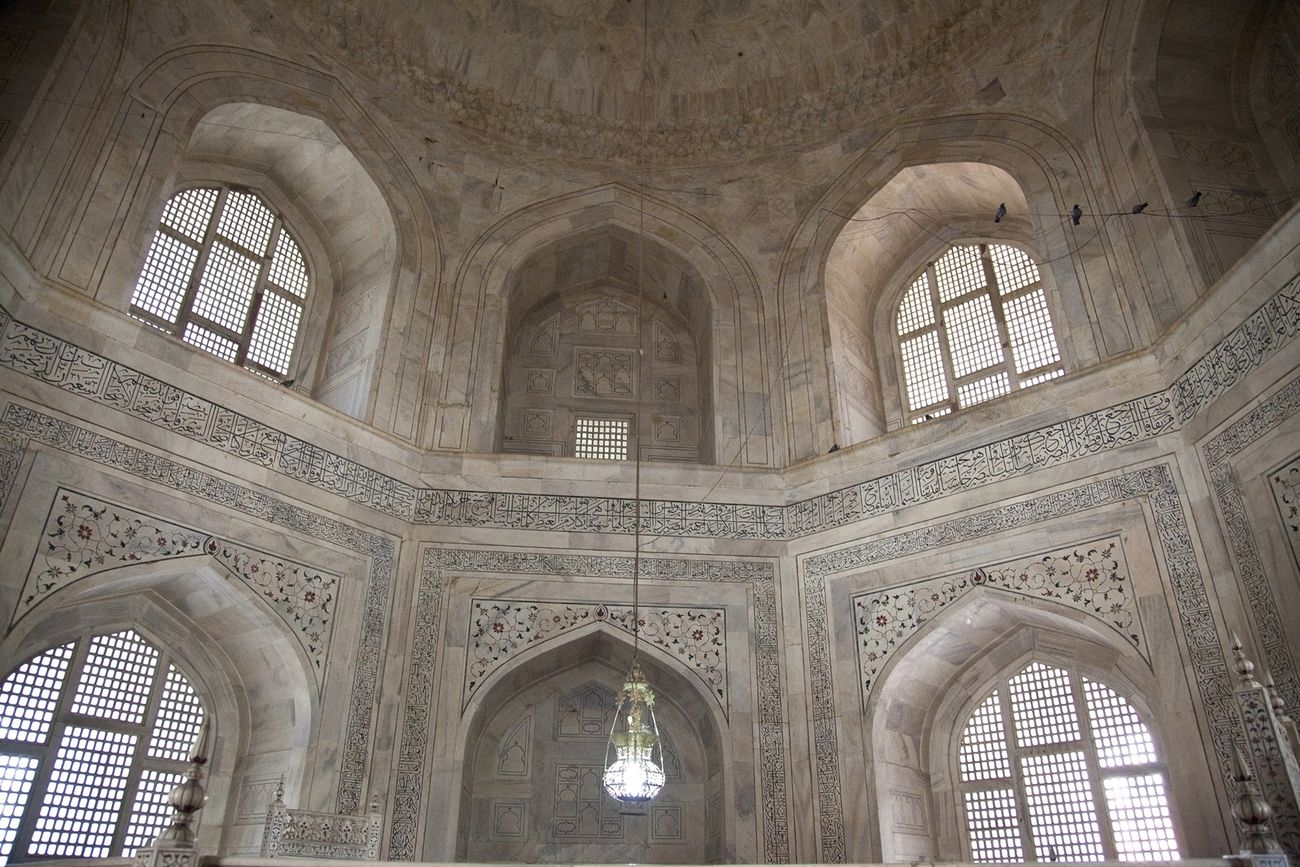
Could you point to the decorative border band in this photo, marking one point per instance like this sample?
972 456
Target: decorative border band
437 563
42 356
33 425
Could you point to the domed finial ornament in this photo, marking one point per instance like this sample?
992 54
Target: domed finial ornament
634 763
190 796
1245 668
1251 810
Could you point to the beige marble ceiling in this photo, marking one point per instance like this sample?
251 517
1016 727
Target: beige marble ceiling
721 77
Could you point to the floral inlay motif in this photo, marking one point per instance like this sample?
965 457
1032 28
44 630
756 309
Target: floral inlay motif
1286 491
1092 577
501 628
85 537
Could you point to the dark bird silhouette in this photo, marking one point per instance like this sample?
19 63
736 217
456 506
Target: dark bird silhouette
1137 209
1195 199
288 383
1076 214
1001 212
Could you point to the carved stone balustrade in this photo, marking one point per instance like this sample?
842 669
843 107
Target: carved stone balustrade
1272 752
310 834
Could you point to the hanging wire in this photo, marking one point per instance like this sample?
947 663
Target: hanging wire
640 349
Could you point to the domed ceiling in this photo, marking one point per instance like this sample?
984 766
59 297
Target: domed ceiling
727 77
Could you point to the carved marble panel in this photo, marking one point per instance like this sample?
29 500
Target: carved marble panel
668 388
607 316
1091 577
667 349
665 823
162 470
667 429
582 809
85 536
586 713
603 373
1153 484
536 423
540 381
908 809
509 820
1285 484
500 628
513 753
546 337
759 576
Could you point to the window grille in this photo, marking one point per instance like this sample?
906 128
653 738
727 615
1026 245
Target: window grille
94 735
1054 766
601 438
224 274
974 325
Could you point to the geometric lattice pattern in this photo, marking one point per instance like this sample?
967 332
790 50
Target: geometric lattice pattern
106 765
29 695
179 716
1043 789
117 677
1121 738
994 826
1043 706
974 325
983 753
151 811
225 275
602 438
1139 818
84 795
16 776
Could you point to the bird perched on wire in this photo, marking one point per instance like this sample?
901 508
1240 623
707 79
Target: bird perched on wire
1076 214
1195 199
1000 213
1137 209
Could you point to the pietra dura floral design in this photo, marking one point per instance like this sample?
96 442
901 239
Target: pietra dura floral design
85 537
1286 490
1092 577
501 628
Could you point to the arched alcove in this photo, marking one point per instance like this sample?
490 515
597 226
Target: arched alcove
535 750
229 113
912 219
868 228
263 700
608 326
301 165
1181 107
467 414
924 695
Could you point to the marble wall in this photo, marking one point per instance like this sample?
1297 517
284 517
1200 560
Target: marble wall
444 612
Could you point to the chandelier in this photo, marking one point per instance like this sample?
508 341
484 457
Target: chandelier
634 762
634 756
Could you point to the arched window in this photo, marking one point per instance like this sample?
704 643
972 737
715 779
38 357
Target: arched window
974 325
94 735
224 274
1055 766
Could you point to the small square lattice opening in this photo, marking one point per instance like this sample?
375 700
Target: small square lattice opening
601 438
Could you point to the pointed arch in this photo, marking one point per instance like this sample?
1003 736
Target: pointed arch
158 113
741 359
1052 173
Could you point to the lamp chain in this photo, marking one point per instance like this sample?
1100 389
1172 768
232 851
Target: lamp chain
640 332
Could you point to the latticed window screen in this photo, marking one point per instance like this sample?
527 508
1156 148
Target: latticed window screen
1054 766
973 326
94 735
224 274
602 438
